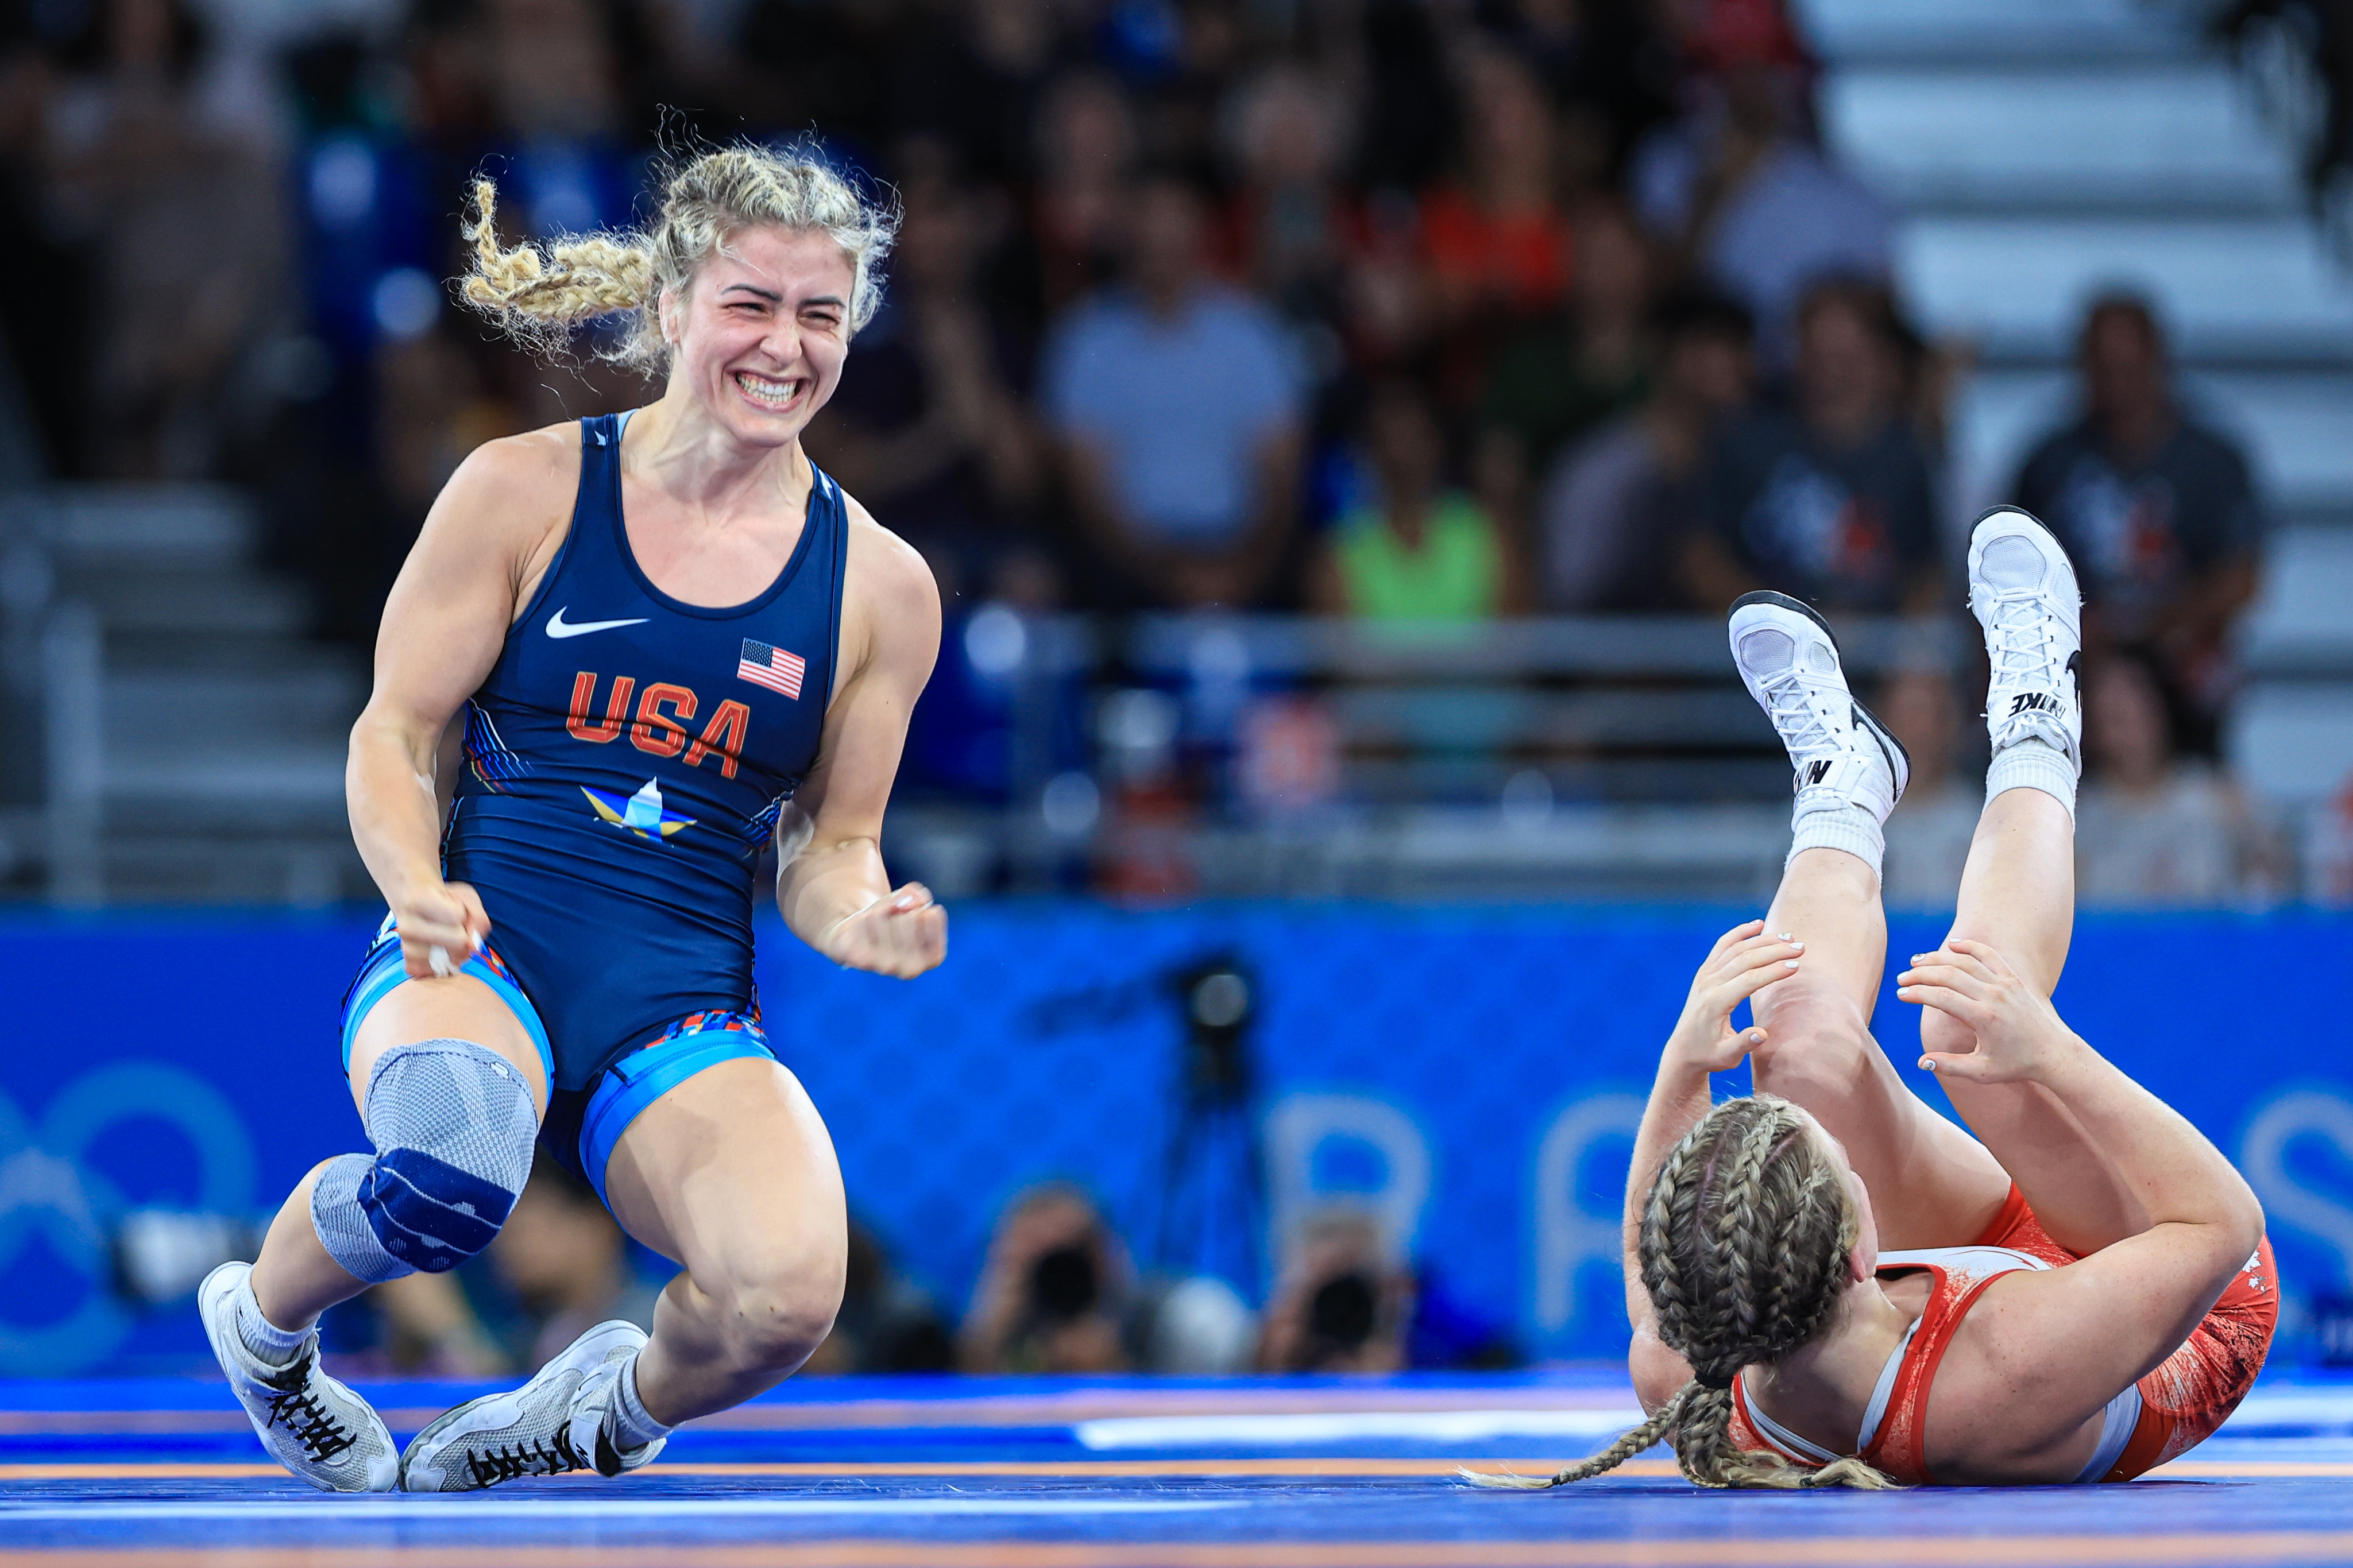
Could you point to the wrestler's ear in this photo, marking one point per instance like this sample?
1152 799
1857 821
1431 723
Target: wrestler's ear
1858 1267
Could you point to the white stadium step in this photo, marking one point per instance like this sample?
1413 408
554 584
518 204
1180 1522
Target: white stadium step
2164 136
1851 32
2301 625
2228 288
147 527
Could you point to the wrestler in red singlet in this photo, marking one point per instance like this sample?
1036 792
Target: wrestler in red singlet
1831 1284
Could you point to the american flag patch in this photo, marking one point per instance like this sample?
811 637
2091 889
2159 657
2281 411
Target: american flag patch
772 668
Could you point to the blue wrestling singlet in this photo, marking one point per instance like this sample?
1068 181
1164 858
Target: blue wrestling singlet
625 764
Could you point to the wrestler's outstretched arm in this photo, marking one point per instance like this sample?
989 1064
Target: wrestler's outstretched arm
831 885
1744 960
2078 1336
489 534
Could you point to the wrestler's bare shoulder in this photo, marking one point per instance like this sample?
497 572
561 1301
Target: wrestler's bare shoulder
888 584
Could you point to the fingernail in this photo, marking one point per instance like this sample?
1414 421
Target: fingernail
1788 963
1786 937
1798 945
1756 1036
1928 1065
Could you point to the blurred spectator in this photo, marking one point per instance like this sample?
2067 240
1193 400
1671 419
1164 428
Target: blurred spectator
2317 33
1087 150
566 1264
1413 550
1737 187
424 1326
1341 1303
1397 60
1052 1296
885 1324
1831 502
2157 511
43 272
1929 834
558 1266
2152 830
1387 313
1178 402
929 426
1496 240
1288 133
975 83
1557 381
1616 507
822 64
184 224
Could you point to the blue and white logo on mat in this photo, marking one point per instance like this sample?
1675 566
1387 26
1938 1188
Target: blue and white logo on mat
642 814
68 1179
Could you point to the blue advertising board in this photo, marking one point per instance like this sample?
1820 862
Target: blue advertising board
1471 1076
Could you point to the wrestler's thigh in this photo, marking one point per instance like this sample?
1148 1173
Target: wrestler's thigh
733 1174
1931 1183
448 1007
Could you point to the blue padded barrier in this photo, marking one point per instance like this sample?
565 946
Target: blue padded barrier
1469 1073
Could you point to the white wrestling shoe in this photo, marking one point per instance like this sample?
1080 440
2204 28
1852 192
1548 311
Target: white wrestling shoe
2023 591
555 1422
311 1424
1790 662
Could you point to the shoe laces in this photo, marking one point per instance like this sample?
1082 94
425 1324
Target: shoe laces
1797 718
510 1462
2021 632
307 1421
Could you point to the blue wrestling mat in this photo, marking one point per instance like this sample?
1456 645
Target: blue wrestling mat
1122 1474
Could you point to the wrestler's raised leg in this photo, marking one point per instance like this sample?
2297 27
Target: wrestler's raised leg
1931 1183
2018 893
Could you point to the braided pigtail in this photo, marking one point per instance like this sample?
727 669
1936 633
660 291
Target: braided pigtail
1661 1421
1744 1241
538 295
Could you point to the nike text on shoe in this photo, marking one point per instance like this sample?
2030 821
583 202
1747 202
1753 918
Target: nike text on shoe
1790 662
2023 591
311 1424
556 1423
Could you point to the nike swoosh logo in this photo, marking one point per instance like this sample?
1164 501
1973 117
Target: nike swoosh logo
558 627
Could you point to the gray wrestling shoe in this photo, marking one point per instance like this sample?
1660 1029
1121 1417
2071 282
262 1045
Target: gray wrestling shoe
1789 661
556 1423
311 1424
2023 591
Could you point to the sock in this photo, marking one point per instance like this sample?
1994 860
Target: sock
271 1344
632 1427
1848 828
2030 762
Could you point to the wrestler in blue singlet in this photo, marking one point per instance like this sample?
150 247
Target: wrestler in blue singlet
624 765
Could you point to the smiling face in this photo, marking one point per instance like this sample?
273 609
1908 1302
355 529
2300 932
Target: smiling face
757 340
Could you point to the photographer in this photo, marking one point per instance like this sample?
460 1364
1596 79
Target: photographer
1342 1302
1052 1295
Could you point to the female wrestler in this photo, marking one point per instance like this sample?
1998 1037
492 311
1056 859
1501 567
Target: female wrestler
2083 1295
671 639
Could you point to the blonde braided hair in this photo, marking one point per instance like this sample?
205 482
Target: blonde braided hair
1743 1244
538 294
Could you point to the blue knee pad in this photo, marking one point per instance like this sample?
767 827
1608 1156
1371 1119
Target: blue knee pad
453 1125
